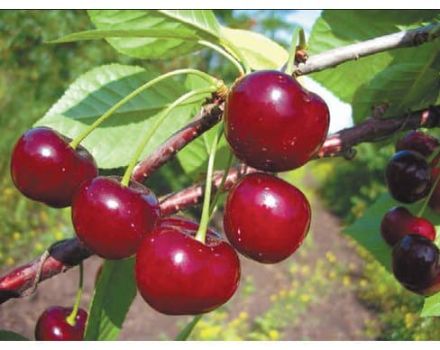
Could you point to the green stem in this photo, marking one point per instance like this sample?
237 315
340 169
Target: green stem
204 221
127 175
222 184
71 319
186 332
133 94
224 54
233 49
298 35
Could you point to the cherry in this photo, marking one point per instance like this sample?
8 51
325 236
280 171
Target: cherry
111 219
399 222
272 123
178 275
434 200
266 218
418 141
53 325
45 168
415 263
408 176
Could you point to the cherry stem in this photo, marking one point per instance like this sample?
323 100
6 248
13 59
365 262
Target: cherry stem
71 319
233 49
135 93
425 203
225 54
187 330
222 184
204 221
298 42
152 130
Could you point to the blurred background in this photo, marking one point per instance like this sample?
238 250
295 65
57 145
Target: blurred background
329 290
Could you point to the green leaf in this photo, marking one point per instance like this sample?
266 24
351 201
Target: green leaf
115 140
431 307
184 28
114 293
11 336
402 87
187 330
259 51
351 80
366 230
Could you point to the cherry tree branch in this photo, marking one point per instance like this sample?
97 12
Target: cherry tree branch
334 57
66 254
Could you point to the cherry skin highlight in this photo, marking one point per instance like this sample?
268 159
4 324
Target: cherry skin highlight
418 141
266 218
46 169
111 219
178 275
408 176
53 325
399 222
272 123
416 263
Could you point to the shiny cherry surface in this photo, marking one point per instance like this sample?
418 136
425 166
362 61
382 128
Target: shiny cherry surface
272 123
418 141
45 168
408 176
178 275
416 263
399 222
266 218
53 325
111 219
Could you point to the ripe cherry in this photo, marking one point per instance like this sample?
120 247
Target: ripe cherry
418 141
399 222
416 263
178 275
45 168
272 123
111 219
266 218
434 200
408 176
53 325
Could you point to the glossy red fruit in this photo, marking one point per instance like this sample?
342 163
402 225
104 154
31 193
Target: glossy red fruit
53 325
266 218
272 123
399 222
408 176
178 275
111 219
45 168
418 141
416 264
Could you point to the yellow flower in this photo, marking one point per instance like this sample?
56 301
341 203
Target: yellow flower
410 319
243 315
58 235
346 281
273 298
210 332
274 334
16 236
304 298
10 261
305 270
330 257
39 246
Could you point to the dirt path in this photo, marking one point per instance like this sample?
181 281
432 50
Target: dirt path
336 316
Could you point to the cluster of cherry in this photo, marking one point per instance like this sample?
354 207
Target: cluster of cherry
271 123
412 174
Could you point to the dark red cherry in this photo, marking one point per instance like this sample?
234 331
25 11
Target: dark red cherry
178 275
399 222
45 168
272 123
266 218
408 176
111 219
416 263
434 200
418 141
53 325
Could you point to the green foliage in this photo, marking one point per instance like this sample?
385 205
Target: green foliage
95 92
11 336
397 79
114 293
